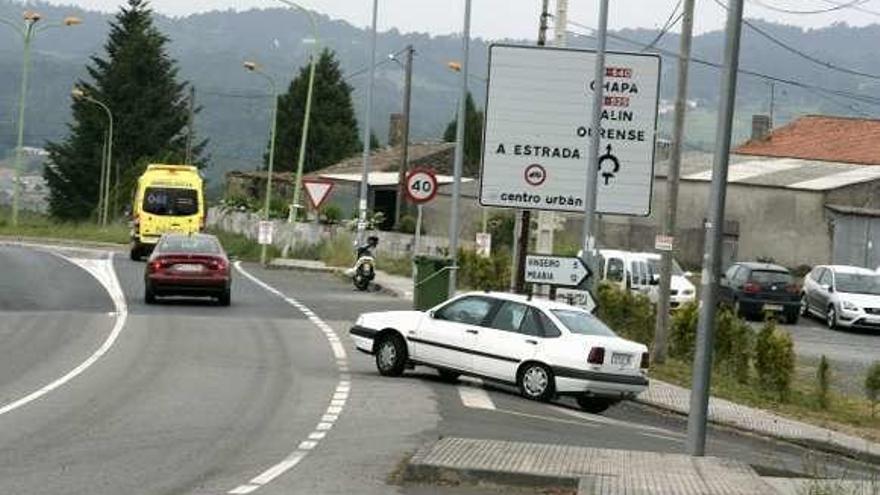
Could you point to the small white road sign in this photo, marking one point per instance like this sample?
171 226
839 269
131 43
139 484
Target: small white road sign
537 130
579 298
265 233
555 270
421 185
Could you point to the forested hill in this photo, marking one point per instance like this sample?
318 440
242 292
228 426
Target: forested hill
211 47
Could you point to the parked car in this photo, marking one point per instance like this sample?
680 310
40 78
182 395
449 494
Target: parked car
544 348
681 290
188 265
755 289
845 296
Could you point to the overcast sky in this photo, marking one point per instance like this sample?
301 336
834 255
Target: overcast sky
495 19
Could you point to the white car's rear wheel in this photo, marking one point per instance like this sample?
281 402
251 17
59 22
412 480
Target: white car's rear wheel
391 355
536 382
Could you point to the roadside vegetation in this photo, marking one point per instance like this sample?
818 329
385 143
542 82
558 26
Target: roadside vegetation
36 225
755 369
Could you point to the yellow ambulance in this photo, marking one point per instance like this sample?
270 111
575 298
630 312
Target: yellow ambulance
169 198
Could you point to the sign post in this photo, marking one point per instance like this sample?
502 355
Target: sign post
420 187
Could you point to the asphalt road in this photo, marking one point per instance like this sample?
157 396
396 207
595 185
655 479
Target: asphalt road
193 398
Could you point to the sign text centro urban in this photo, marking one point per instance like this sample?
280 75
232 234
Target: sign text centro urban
538 130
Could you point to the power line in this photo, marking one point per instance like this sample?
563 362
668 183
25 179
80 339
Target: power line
859 7
670 22
791 82
799 53
836 6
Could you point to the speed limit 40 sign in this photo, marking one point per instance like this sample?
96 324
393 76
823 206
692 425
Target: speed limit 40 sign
421 185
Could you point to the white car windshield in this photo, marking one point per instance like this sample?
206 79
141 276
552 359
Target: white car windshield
858 283
582 323
654 264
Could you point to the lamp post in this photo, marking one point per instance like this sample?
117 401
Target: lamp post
27 34
297 186
107 165
255 68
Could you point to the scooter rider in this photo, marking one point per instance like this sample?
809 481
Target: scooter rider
367 249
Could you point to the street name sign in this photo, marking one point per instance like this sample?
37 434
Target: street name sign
555 270
537 130
318 190
265 232
421 185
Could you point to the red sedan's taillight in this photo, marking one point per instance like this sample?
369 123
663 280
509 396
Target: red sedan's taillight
219 265
597 355
646 360
155 266
751 288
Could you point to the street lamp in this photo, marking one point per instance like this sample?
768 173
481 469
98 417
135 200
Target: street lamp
27 34
297 186
107 159
255 68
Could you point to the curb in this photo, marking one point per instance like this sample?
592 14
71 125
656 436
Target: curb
383 289
818 445
417 471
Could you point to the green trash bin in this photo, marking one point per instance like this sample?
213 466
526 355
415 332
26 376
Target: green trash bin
431 281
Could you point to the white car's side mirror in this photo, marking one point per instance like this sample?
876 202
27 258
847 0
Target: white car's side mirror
430 314
688 274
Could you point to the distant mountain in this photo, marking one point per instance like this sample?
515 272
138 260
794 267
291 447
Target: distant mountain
210 48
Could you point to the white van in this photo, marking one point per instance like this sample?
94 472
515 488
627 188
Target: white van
640 273
681 290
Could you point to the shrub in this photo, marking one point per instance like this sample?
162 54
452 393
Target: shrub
872 386
501 227
339 251
331 214
775 359
477 272
683 332
823 382
734 343
408 225
630 315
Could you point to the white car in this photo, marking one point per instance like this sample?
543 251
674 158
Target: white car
681 290
845 296
545 348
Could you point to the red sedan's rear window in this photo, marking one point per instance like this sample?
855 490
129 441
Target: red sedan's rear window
189 244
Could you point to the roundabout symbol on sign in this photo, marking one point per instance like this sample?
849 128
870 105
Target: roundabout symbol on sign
613 169
421 186
535 174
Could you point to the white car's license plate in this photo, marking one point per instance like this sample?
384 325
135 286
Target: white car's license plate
188 267
772 307
621 359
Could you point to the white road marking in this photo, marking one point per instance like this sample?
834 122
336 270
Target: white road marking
596 418
475 398
102 271
337 401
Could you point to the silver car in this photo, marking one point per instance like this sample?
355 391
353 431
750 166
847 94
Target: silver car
844 296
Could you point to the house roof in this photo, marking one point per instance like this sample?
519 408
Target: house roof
821 138
437 156
384 179
783 173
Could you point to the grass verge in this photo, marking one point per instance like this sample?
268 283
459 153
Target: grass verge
242 248
847 414
40 226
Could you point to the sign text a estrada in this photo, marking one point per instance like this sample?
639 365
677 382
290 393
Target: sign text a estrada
555 270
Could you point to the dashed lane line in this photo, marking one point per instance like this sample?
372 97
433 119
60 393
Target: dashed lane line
475 398
102 270
333 411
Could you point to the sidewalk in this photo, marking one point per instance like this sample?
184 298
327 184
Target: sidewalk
401 287
591 471
677 399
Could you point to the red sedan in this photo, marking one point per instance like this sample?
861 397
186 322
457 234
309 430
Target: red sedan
188 265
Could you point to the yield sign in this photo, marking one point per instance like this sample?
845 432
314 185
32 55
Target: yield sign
318 190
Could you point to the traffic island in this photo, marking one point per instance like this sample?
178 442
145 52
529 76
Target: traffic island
589 471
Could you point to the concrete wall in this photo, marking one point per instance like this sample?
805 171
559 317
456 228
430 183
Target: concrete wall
390 243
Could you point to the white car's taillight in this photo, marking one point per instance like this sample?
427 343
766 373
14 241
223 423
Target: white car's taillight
596 356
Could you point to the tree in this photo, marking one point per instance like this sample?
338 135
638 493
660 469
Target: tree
473 136
333 129
138 81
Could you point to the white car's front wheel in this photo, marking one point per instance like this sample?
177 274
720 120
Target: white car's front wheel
391 355
536 382
831 318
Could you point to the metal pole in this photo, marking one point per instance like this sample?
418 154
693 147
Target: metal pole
772 102
368 115
672 183
696 439
100 210
459 149
271 171
418 238
190 124
595 138
22 102
561 22
304 138
404 155
109 162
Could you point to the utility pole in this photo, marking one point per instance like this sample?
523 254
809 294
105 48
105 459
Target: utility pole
459 148
696 438
673 175
190 126
525 226
368 116
561 33
772 103
595 138
404 155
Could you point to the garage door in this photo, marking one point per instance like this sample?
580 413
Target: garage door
856 241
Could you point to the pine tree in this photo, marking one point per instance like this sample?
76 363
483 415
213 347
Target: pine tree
138 81
333 129
473 136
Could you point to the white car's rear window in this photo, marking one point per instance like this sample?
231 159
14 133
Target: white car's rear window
582 323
